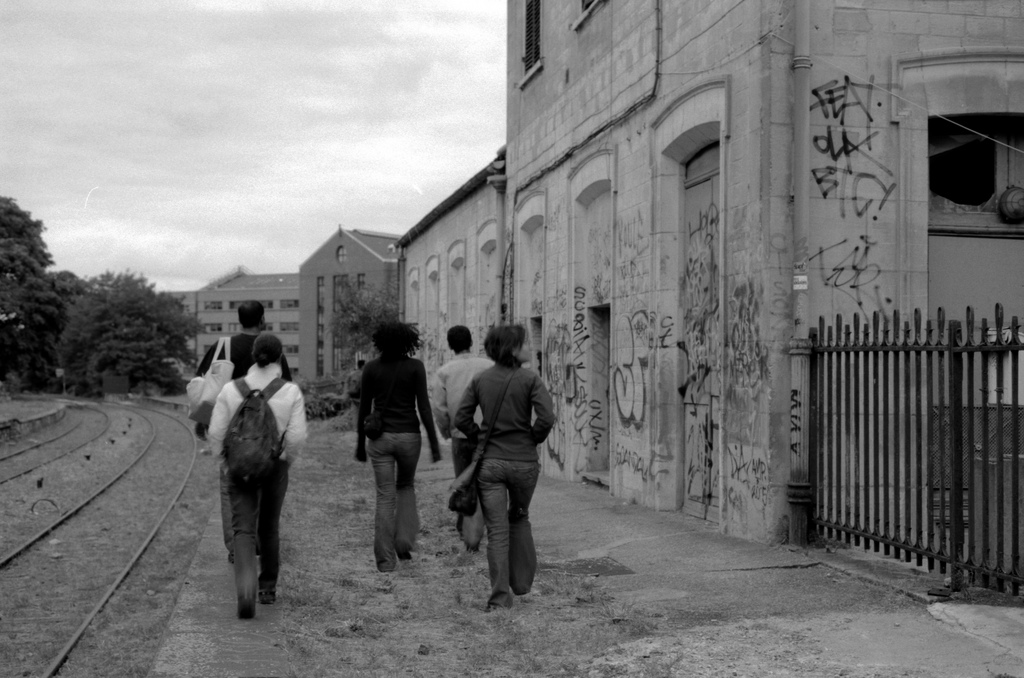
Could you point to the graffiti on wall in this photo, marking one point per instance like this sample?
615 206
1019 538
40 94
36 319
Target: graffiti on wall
746 352
850 171
588 416
634 247
699 334
748 486
847 267
633 332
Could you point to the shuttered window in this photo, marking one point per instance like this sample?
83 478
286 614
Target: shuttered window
531 52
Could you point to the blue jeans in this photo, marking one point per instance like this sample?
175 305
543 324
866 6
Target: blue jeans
506 489
394 457
256 513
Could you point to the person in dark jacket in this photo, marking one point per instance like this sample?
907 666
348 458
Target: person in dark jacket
395 384
251 318
509 466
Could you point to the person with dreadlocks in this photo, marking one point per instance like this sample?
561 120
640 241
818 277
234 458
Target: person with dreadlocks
395 385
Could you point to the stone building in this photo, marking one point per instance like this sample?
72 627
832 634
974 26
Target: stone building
690 185
452 264
356 258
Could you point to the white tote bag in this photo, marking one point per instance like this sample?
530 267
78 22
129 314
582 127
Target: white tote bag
203 391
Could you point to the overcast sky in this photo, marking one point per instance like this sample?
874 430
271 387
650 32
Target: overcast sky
182 138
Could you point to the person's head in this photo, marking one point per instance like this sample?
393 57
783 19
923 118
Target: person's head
396 340
506 345
460 339
266 349
250 315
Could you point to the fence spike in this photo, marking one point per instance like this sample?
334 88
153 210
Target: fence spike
968 327
874 327
999 318
942 324
917 327
856 328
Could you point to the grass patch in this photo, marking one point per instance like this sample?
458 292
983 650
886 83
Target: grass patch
343 618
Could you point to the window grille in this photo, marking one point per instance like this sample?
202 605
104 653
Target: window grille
531 53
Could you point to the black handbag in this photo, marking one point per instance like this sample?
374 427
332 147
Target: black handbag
373 425
464 500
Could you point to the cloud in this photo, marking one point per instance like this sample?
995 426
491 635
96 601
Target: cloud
239 132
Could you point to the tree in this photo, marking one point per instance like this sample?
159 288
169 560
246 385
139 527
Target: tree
33 301
357 314
121 325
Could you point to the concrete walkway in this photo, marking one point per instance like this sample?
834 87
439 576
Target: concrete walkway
680 568
205 638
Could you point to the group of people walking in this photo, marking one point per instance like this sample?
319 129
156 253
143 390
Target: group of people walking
495 411
516 412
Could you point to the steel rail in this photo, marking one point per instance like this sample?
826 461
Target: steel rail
18 550
62 657
59 456
42 442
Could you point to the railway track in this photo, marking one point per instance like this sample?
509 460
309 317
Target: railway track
65 555
87 424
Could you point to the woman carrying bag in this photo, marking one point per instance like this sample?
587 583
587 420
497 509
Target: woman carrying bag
393 390
518 404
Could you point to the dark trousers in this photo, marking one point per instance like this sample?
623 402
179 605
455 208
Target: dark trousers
256 514
506 489
394 457
462 455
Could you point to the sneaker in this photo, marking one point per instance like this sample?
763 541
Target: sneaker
267 597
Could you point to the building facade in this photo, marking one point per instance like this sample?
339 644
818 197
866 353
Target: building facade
216 309
349 258
690 185
452 264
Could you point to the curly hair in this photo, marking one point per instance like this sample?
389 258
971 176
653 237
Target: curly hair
396 340
503 343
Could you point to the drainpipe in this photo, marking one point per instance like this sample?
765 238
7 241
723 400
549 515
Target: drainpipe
500 183
401 284
798 490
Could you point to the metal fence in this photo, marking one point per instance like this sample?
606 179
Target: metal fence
915 439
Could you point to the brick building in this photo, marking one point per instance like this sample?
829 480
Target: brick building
356 258
691 184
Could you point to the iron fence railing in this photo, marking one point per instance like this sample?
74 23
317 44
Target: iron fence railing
916 440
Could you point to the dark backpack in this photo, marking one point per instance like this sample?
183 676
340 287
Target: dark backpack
252 446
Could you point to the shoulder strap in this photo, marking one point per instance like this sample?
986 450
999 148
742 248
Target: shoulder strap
242 387
223 346
272 388
494 414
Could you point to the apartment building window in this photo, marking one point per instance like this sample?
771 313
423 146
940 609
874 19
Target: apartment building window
341 254
340 283
290 349
269 327
213 305
289 327
234 327
531 51
214 327
360 281
289 303
319 326
268 305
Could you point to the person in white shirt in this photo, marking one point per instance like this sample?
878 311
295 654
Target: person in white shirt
447 388
256 508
